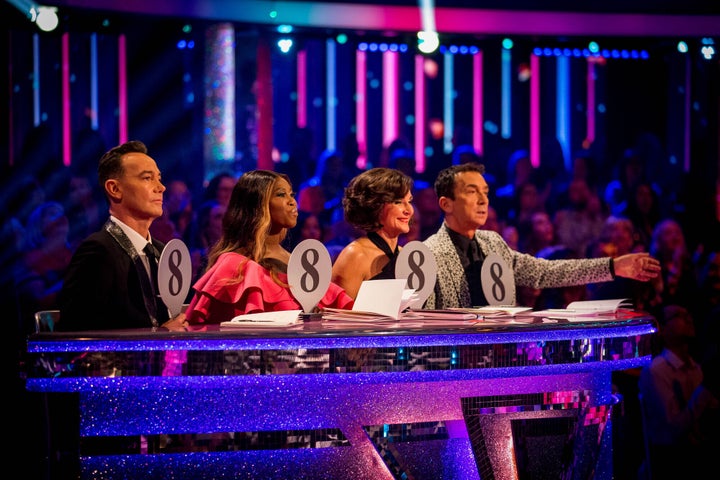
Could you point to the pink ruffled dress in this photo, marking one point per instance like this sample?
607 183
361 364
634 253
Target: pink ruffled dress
216 300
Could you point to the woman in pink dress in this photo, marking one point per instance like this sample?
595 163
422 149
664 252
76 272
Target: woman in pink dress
247 267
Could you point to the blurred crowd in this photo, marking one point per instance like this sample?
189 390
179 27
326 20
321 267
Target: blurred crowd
588 210
547 211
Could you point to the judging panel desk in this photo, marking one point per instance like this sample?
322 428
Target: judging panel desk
472 400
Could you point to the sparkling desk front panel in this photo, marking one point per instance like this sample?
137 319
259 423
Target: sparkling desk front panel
500 400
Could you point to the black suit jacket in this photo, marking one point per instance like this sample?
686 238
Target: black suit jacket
101 288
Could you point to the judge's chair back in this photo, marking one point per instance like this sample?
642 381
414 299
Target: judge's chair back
45 320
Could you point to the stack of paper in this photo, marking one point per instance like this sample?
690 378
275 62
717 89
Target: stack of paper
284 318
586 308
376 300
494 310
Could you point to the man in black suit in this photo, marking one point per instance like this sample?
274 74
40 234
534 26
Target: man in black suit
108 284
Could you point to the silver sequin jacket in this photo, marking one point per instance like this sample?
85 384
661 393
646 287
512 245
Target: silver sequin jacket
451 288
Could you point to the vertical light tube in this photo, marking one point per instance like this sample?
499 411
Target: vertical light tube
448 101
10 122
478 119
219 121
330 94
93 82
506 94
361 107
36 79
562 108
686 136
264 103
65 81
420 114
390 97
535 110
590 102
302 88
122 89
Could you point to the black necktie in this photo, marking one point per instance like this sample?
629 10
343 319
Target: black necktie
474 268
153 254
473 252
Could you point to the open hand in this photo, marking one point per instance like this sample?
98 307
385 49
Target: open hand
638 266
176 324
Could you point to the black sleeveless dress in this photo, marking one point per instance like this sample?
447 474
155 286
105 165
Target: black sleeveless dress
388 271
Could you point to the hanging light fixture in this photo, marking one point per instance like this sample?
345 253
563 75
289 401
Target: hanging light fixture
44 17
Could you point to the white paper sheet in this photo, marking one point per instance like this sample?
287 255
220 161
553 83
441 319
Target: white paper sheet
283 318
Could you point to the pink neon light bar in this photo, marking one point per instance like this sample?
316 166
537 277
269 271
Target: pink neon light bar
66 130
361 107
302 88
390 97
590 107
122 89
420 113
535 110
478 119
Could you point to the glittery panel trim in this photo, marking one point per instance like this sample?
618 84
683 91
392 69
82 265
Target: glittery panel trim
386 438
318 335
551 434
212 442
409 358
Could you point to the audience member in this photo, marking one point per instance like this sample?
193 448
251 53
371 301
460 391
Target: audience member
430 214
680 403
463 196
643 210
630 171
378 201
179 205
579 224
679 279
511 236
38 276
19 198
323 191
84 208
208 230
403 159
465 153
536 233
617 239
178 214
108 284
526 201
247 268
340 233
707 311
220 188
308 227
584 167
350 153
519 172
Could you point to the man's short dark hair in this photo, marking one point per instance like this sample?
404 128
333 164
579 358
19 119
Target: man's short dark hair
445 181
111 166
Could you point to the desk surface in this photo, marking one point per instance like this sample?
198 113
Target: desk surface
581 327
315 347
344 401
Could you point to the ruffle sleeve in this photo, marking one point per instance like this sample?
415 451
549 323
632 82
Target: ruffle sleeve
336 297
218 300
